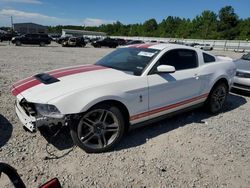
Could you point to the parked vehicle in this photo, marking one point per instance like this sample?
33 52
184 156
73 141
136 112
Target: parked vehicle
191 44
121 42
242 77
60 40
206 47
107 42
7 36
55 37
74 42
133 85
40 39
135 42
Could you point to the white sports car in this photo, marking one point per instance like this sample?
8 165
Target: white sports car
132 85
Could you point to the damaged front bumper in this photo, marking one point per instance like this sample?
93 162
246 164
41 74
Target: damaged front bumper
32 122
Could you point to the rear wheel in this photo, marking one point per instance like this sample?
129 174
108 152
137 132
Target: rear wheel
99 129
42 44
217 98
18 43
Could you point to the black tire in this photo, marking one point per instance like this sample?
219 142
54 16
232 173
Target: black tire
217 98
96 139
42 44
18 43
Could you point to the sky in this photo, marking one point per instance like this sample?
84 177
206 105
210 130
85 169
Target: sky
97 12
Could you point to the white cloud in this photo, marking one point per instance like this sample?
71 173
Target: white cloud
21 16
96 22
22 1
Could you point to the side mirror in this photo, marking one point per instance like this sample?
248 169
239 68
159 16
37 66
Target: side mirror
165 69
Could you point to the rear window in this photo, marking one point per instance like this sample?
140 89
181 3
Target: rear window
208 58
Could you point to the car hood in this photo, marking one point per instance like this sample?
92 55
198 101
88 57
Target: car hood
44 87
242 64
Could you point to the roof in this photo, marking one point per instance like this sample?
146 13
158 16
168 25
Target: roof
84 32
158 46
28 23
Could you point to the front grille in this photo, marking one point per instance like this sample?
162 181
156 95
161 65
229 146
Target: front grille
29 108
241 86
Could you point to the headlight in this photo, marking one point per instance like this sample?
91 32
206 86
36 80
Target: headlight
242 74
48 110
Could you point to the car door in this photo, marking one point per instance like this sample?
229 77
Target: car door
169 92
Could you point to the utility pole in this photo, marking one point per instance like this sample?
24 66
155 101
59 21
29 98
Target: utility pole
12 26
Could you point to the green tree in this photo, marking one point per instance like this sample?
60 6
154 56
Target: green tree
228 21
150 26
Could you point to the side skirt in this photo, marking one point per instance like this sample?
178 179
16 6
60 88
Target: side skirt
150 121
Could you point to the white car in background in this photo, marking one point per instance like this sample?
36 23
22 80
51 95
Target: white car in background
133 85
242 77
206 47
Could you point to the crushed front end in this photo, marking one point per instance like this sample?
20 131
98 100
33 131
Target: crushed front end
34 115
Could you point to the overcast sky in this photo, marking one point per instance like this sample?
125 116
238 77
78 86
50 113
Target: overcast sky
96 12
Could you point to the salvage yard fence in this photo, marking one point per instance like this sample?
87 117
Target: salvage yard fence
226 45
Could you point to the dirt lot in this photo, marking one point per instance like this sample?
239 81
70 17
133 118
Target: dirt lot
190 150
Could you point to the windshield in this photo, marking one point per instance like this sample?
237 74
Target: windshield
129 59
246 56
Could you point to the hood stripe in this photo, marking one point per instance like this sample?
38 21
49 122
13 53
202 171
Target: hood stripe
75 71
26 80
15 90
142 45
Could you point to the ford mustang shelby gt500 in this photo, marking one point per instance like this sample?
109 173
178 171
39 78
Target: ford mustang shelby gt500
132 85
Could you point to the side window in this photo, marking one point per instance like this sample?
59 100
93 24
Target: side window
180 58
208 58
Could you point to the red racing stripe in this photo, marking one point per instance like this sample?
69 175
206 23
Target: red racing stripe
157 110
26 80
15 90
69 68
23 81
142 45
75 71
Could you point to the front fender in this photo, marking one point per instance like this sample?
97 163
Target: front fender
81 101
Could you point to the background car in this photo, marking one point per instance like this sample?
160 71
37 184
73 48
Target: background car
107 42
206 47
7 36
135 42
121 42
38 39
242 77
61 39
74 42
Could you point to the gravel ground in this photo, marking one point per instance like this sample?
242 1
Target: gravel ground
189 150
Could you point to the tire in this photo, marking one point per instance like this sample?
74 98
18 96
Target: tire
216 98
99 129
18 43
42 44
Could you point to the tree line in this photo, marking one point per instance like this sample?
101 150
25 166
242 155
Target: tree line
208 25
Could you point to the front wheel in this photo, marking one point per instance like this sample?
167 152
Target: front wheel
18 43
99 129
42 44
217 98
